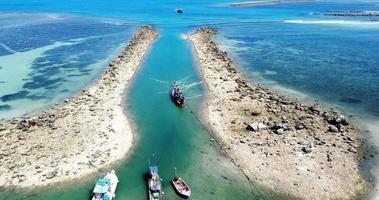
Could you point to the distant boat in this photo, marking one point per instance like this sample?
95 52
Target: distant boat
105 187
179 10
154 184
177 95
181 187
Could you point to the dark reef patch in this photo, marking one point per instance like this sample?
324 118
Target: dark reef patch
350 100
78 75
42 83
85 70
15 96
64 91
36 97
5 107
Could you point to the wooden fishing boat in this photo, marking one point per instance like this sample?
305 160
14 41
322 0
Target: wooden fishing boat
177 96
154 184
181 187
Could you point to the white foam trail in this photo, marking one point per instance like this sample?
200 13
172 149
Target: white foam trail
26 19
160 81
185 78
231 44
183 36
336 22
53 16
186 87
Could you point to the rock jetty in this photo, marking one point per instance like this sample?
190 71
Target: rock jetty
83 134
353 13
301 150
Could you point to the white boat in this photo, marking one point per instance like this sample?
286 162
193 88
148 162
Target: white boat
181 187
105 187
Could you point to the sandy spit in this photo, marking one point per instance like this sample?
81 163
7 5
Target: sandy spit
76 138
304 151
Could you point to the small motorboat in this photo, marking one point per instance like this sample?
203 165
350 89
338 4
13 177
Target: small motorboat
176 95
105 187
154 184
181 187
179 10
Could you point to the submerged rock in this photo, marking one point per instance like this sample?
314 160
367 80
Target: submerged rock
350 100
5 107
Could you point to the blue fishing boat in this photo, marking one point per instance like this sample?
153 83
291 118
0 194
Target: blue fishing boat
105 187
154 184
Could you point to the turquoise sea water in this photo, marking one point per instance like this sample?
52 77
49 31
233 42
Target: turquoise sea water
51 50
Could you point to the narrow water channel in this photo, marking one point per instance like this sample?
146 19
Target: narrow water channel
168 136
173 135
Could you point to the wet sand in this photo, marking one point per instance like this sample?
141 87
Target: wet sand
84 134
305 151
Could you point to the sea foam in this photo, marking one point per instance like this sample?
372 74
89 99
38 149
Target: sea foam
369 24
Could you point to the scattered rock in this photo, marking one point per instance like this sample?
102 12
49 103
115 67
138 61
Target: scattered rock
51 175
256 112
279 125
279 131
256 126
300 126
333 129
307 148
352 150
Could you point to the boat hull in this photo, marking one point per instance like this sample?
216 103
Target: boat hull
176 100
106 189
154 185
181 187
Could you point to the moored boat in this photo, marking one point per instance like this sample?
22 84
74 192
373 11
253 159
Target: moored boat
177 96
105 187
181 187
154 184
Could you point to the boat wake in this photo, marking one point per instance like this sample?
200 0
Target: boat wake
184 86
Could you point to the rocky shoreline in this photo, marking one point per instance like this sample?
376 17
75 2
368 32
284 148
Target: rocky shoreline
265 3
353 13
76 138
305 151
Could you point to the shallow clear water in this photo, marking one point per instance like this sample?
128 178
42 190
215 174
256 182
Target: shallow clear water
49 57
332 61
51 50
169 137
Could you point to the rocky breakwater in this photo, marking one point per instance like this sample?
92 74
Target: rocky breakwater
353 13
265 3
304 151
85 133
